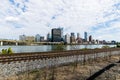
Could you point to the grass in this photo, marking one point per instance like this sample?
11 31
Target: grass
68 71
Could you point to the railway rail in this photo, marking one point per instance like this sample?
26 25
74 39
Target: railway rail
53 54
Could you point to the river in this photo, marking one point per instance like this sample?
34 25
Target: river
45 48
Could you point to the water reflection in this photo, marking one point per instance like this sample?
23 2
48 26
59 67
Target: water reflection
45 48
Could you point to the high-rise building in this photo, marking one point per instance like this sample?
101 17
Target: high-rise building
85 36
22 37
37 38
78 39
97 41
67 38
56 35
62 36
73 34
30 39
48 37
90 38
61 32
72 38
113 42
42 39
78 35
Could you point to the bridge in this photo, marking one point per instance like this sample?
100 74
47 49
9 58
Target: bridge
11 42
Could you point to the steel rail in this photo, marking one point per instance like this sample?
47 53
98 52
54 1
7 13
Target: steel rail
46 55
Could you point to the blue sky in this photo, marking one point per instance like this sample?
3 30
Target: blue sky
100 18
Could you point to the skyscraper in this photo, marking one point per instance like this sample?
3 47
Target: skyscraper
67 38
90 38
78 35
62 34
22 37
37 38
85 36
42 39
78 39
72 38
56 35
48 37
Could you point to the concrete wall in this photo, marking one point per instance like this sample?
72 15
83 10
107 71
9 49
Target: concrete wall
14 68
1 43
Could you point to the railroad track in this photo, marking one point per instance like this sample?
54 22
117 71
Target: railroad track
45 55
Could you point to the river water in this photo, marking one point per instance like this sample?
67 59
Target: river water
45 48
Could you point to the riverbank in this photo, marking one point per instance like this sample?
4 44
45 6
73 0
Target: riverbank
73 71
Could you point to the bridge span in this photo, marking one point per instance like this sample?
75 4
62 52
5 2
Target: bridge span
11 42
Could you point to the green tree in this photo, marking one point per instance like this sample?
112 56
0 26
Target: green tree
105 47
59 47
4 51
7 51
118 44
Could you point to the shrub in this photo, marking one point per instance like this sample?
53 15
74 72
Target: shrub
4 51
118 44
84 49
7 51
105 47
59 47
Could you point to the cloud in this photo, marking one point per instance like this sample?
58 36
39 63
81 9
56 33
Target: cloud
11 19
30 17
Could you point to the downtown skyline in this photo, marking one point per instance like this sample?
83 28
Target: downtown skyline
57 35
100 18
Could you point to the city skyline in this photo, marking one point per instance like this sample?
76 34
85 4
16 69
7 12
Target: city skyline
57 35
31 17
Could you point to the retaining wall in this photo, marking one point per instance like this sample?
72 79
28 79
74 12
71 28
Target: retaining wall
14 68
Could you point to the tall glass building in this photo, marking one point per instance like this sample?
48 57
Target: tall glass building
48 37
85 36
56 35
37 38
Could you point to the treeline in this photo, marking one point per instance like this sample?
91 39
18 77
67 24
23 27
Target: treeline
118 44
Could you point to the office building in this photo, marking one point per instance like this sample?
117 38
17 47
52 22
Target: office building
22 37
56 35
90 38
113 42
37 38
62 36
42 39
85 36
67 38
30 39
78 35
78 39
97 41
72 38
48 37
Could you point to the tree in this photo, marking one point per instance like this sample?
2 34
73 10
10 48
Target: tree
118 44
59 47
4 51
7 51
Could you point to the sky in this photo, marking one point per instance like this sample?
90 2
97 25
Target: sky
100 18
